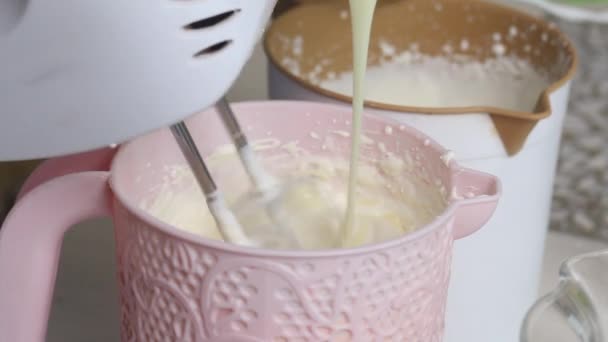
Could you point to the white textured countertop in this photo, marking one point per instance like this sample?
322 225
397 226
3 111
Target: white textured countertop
85 306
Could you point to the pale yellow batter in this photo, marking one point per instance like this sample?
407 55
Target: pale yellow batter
388 203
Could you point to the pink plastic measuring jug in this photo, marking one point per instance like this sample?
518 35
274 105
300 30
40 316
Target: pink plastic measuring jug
175 286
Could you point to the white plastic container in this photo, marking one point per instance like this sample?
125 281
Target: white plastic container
489 295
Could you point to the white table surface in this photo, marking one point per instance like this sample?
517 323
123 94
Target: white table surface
85 306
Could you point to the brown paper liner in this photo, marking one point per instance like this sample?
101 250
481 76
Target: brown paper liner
429 24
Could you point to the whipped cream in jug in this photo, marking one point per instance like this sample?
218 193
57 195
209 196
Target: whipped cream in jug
388 204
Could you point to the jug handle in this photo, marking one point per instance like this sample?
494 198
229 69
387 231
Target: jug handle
483 191
97 160
32 234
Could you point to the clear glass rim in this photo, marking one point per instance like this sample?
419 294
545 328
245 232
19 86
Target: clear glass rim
570 298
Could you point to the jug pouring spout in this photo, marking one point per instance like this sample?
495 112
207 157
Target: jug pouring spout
476 197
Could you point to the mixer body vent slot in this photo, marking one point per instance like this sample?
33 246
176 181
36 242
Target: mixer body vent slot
213 48
211 21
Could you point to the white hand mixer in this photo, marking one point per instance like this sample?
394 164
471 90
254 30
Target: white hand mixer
80 75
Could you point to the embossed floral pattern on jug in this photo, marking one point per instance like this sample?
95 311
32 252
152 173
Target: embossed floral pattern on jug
175 290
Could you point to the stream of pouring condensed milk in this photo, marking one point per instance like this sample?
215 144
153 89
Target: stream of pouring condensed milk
362 14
